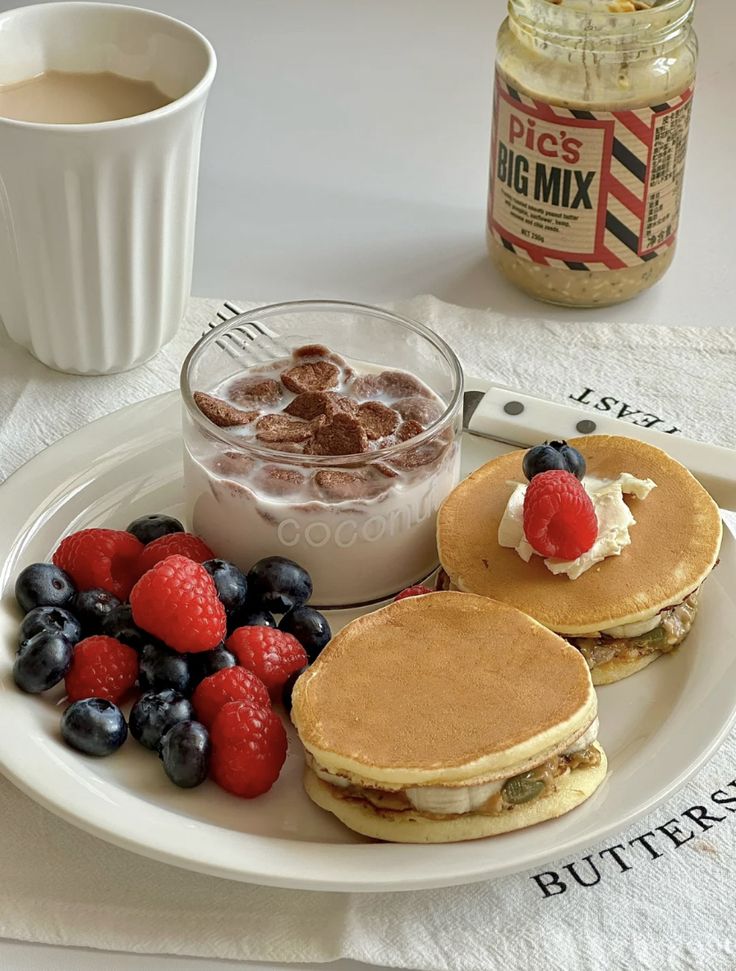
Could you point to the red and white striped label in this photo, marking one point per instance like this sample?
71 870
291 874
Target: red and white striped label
586 190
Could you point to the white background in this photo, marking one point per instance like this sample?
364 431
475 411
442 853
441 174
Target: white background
345 155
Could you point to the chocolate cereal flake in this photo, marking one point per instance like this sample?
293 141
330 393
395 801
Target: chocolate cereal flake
233 463
221 413
248 390
400 384
311 350
418 408
341 435
378 420
277 429
312 376
424 454
311 404
281 481
365 386
407 430
335 484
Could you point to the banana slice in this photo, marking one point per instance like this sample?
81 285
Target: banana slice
452 800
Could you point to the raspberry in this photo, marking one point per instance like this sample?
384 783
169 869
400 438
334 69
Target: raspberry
416 591
559 518
177 602
229 684
270 654
248 748
101 668
181 544
104 559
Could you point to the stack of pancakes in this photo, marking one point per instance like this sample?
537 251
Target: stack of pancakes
463 714
674 546
447 717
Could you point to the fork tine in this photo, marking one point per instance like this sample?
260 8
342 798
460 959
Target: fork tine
255 342
262 331
241 344
250 341
223 342
230 348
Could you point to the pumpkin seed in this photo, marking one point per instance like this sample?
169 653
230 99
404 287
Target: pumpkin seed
653 636
522 788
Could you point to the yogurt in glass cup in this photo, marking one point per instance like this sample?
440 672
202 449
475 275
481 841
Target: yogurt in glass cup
248 499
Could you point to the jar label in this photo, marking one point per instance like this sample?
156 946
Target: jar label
586 190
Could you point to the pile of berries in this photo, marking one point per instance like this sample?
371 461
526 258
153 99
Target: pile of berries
559 517
150 616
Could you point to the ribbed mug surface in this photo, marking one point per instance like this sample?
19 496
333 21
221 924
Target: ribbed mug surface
97 220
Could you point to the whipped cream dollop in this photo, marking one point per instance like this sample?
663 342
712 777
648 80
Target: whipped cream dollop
613 515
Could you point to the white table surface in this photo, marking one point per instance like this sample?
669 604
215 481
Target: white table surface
345 155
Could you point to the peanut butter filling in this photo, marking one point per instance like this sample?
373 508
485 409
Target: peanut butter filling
519 790
675 624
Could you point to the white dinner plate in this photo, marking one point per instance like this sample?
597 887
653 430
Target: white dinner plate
657 727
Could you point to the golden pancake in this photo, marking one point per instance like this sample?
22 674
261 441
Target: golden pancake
674 543
443 688
412 827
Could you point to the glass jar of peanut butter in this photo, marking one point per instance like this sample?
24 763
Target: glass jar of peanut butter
591 116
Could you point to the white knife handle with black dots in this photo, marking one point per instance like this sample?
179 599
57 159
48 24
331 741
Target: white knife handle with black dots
521 420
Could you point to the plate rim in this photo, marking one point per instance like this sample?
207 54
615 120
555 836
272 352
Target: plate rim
30 477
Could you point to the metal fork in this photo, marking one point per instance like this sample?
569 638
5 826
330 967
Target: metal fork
250 341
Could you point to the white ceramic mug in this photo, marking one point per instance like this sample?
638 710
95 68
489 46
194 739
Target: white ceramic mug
97 220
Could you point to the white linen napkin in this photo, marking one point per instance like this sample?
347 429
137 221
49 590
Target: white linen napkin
659 895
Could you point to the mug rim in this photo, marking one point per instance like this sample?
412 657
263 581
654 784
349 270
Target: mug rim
178 104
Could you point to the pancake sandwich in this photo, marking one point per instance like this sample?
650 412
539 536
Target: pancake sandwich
631 592
447 717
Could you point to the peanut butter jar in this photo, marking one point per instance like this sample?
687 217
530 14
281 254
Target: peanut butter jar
591 116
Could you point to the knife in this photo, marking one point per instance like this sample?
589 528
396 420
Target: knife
521 420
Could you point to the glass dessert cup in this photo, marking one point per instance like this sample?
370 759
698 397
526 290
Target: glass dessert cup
362 524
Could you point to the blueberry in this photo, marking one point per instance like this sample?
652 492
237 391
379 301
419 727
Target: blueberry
91 607
309 627
43 585
250 617
230 582
205 663
278 584
119 624
94 726
575 461
162 668
542 458
42 662
185 751
288 688
553 455
55 620
149 528
155 713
